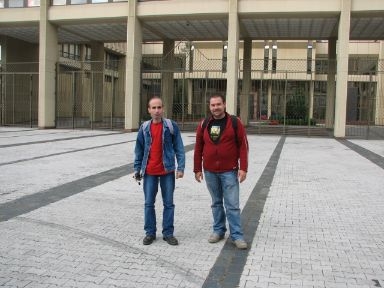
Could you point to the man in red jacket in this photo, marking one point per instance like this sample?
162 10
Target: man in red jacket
222 152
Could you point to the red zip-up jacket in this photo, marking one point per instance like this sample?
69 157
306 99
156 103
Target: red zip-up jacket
224 156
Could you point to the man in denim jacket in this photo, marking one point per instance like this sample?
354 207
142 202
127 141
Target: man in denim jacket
157 147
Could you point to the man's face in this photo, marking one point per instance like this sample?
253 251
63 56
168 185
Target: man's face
155 108
217 107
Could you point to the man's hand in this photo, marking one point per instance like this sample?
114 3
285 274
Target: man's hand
242 175
199 176
179 174
138 177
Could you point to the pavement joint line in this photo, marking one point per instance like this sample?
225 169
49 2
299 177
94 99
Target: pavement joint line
118 245
62 153
230 258
31 135
371 156
28 203
16 131
57 140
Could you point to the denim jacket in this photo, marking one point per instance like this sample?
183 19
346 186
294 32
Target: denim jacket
173 148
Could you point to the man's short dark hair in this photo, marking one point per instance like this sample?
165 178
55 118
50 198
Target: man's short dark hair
217 95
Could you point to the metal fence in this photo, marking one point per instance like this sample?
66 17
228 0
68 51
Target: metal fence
365 106
91 95
19 84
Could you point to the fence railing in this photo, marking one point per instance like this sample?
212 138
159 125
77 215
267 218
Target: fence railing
92 95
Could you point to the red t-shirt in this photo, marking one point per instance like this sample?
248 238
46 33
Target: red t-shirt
155 164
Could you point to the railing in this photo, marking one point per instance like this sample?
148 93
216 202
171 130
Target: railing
36 3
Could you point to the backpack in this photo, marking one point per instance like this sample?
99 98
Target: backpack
168 121
234 126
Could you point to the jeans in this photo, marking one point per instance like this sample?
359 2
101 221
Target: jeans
225 187
150 186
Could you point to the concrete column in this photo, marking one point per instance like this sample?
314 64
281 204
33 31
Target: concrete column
311 94
97 68
379 119
331 85
246 87
269 101
2 48
133 61
167 77
190 96
48 57
342 69
233 58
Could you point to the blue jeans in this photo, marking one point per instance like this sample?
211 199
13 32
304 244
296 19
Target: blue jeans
150 186
225 187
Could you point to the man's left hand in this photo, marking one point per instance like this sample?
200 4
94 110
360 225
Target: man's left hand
242 175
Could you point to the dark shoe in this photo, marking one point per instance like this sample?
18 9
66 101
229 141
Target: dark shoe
171 240
148 239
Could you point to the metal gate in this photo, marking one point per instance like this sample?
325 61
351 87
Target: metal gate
90 95
19 98
365 106
282 103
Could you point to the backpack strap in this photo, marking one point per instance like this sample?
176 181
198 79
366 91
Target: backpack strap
169 124
234 126
204 123
145 124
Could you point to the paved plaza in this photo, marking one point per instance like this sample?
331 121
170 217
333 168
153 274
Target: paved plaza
71 215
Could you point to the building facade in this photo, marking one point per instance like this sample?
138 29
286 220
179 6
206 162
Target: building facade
283 63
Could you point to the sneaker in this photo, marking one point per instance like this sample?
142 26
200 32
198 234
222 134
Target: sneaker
240 244
214 238
171 240
148 239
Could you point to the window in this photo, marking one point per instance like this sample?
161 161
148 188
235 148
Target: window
321 64
266 56
33 3
309 57
71 51
78 1
88 53
224 59
16 3
191 56
111 61
274 57
362 65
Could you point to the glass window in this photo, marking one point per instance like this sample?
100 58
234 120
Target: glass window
59 2
224 60
1 3
78 1
274 57
88 53
266 56
33 3
16 3
309 57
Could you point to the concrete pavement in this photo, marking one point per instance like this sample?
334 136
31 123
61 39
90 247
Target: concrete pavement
72 216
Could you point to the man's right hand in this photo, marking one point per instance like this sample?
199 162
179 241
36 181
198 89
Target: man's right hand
138 176
199 176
